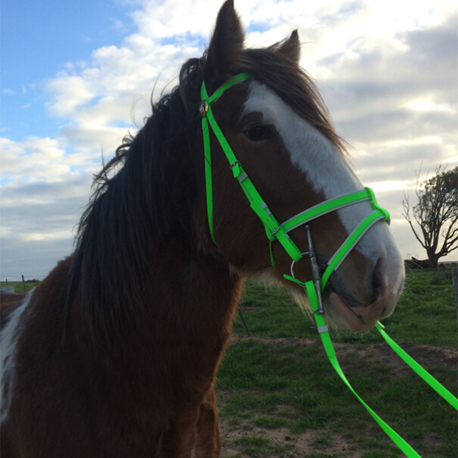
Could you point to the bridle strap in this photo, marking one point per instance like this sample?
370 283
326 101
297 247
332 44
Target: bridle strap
273 229
366 194
207 115
349 244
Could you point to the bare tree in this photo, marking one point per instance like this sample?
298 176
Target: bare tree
436 213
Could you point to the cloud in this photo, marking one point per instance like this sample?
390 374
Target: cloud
70 93
175 18
395 101
35 159
387 70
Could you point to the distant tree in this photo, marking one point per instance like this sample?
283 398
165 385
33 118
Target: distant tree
436 213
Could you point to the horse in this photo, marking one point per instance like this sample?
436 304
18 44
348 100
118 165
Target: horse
115 352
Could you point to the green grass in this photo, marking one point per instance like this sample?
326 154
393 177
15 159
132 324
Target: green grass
18 287
423 309
426 312
259 377
274 313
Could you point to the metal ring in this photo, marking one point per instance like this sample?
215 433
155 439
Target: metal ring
292 264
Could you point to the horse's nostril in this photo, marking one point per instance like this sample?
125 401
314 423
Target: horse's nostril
376 281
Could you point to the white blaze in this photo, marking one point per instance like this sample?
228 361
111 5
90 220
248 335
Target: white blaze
327 170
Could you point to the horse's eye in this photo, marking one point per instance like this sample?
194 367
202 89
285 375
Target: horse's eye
257 133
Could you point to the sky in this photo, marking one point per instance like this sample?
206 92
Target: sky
76 77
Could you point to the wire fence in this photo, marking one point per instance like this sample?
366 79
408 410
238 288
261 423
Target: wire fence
19 278
13 283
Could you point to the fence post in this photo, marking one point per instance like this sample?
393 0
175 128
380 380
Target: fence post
23 283
455 287
243 321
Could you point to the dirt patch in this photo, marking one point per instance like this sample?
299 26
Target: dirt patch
426 356
285 444
321 442
281 342
251 309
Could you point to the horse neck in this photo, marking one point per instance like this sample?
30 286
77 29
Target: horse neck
180 326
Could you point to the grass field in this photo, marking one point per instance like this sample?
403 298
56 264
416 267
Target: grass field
280 397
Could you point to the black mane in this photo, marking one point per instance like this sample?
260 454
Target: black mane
128 217
128 209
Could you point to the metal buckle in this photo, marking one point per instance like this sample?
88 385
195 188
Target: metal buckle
203 108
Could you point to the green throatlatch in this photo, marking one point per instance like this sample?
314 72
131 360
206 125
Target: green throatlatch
279 232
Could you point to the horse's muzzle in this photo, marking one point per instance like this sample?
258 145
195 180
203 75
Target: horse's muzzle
361 317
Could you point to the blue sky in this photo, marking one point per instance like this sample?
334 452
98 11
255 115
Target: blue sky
76 76
37 39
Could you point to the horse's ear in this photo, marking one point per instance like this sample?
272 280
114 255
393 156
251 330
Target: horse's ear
225 49
291 47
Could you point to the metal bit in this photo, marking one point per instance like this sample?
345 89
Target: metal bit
315 270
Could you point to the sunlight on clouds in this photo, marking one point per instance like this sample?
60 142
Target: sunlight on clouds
399 221
39 237
390 16
41 160
385 186
69 93
91 139
115 86
33 159
413 142
425 105
107 110
175 17
356 29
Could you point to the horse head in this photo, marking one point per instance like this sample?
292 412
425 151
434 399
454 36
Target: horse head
280 131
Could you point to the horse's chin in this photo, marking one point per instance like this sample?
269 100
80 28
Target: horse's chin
340 315
353 318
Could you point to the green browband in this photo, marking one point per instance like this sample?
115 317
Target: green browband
279 232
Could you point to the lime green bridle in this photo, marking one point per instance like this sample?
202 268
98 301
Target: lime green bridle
279 232
274 230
